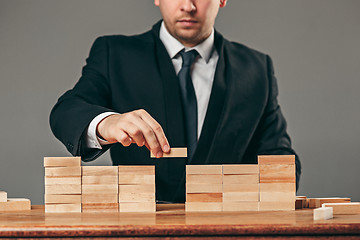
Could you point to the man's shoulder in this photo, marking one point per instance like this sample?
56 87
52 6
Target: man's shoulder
241 50
129 40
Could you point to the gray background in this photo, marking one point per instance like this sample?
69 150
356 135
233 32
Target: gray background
314 46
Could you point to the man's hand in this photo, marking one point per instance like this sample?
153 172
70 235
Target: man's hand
134 127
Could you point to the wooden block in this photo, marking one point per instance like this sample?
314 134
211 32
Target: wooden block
100 207
3 196
344 208
241 169
277 173
277 197
204 197
204 169
99 198
61 198
323 213
100 189
136 197
105 180
131 179
276 159
62 180
203 206
137 207
137 170
204 188
146 188
63 208
241 188
276 206
204 179
240 206
100 170
241 196
63 171
241 179
62 161
63 189
15 204
300 203
174 153
317 202
278 187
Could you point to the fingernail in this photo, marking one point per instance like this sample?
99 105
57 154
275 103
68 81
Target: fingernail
166 148
159 155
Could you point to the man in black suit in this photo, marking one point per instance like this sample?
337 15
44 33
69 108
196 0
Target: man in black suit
179 84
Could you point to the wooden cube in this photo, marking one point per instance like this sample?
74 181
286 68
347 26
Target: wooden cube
15 204
103 180
63 189
100 170
62 161
63 171
276 159
204 188
203 206
323 213
137 207
204 197
241 169
174 153
203 179
99 198
136 170
3 196
240 206
62 180
277 173
100 207
300 203
204 169
62 198
63 208
241 179
344 208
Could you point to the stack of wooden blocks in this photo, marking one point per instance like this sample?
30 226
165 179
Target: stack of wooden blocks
13 204
204 188
267 186
137 189
277 182
62 184
100 189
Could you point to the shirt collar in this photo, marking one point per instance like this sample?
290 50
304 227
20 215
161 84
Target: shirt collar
173 46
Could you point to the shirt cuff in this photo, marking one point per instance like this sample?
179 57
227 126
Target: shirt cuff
92 140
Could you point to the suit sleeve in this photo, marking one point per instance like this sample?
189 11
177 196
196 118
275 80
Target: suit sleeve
90 97
271 134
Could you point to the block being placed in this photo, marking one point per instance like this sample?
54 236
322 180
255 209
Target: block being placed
15 204
63 189
276 159
63 171
241 169
276 206
62 180
241 179
62 161
3 196
137 170
174 153
203 206
204 197
240 206
277 173
100 207
323 213
204 179
137 207
100 170
204 188
204 169
317 202
62 208
61 198
344 208
100 189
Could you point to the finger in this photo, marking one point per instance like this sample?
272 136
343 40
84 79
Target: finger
123 138
158 131
134 130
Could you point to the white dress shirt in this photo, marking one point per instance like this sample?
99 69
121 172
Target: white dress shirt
202 75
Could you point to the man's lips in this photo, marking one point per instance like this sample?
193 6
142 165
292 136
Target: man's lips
187 22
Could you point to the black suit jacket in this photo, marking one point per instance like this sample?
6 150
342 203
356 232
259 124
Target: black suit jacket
125 73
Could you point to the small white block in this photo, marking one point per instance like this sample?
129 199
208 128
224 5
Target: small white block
323 213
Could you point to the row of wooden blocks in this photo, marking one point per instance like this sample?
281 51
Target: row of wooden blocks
13 204
70 187
267 186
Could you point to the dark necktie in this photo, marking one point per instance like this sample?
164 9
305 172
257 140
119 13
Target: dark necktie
189 100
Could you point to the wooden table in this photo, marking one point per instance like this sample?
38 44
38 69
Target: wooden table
172 221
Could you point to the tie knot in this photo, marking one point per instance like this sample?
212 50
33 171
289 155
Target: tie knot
188 57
